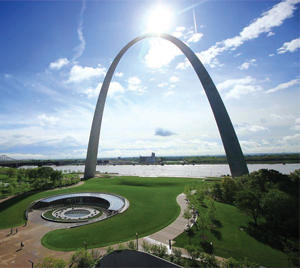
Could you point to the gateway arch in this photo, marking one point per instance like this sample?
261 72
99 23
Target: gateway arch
231 144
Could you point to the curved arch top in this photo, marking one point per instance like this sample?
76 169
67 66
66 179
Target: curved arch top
230 141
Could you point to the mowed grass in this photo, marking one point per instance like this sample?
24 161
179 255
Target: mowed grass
152 207
229 241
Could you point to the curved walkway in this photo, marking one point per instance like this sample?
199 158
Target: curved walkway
31 235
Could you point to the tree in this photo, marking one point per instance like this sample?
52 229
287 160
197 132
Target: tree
56 176
33 174
49 261
229 189
202 223
10 172
211 208
249 201
23 187
280 210
217 191
200 194
193 251
208 260
81 258
187 215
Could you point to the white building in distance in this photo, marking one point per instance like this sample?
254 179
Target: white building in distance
147 159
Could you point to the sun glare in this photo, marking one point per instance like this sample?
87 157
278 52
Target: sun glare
159 20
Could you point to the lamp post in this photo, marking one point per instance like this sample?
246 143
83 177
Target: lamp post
137 241
85 244
31 263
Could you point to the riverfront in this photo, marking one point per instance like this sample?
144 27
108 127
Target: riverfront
196 171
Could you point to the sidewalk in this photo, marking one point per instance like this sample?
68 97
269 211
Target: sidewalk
31 235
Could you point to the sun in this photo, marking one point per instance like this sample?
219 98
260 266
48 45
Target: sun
159 20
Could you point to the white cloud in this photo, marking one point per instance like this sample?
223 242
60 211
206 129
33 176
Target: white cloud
168 93
182 65
247 64
284 86
58 64
240 90
114 87
174 79
180 29
270 34
81 47
271 55
289 46
296 126
281 117
245 128
208 56
239 54
162 85
119 74
177 34
78 73
161 53
195 38
45 120
7 76
270 19
134 84
228 84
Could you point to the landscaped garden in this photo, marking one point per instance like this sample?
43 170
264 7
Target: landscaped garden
152 207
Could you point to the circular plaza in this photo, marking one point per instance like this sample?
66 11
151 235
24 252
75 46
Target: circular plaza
76 208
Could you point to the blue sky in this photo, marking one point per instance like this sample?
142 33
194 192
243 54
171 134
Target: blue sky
54 56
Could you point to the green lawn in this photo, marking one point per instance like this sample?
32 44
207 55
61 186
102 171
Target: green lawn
152 207
229 241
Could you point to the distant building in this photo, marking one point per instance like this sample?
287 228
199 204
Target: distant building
147 159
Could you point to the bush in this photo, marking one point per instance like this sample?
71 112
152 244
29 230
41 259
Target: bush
49 261
131 245
82 258
109 249
159 250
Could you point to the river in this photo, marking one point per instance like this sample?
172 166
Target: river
195 171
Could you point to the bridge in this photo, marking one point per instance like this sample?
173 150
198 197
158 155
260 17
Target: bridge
6 161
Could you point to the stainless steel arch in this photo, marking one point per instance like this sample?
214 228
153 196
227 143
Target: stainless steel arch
231 144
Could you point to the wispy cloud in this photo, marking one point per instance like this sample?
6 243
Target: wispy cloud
284 86
247 64
289 46
79 73
79 49
45 120
228 84
119 74
58 64
135 84
174 79
264 24
162 85
161 53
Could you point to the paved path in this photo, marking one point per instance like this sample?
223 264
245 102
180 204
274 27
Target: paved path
31 235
